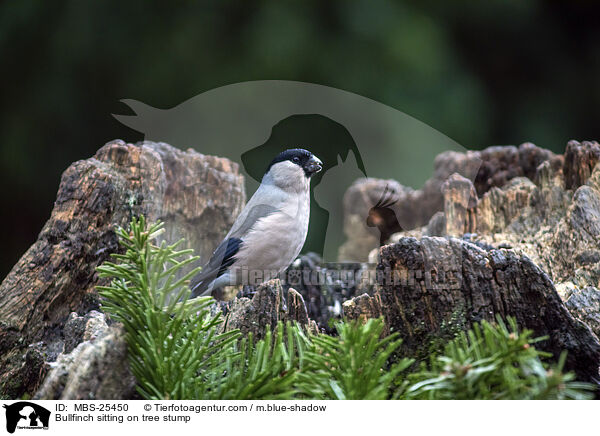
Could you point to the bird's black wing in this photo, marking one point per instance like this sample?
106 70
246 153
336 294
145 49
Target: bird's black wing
222 258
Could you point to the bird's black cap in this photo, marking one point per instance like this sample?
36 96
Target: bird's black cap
303 158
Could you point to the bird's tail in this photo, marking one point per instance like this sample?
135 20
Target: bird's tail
200 285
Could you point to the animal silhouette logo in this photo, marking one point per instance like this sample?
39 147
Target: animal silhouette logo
334 145
250 122
26 415
383 216
329 195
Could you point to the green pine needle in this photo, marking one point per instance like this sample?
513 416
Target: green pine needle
493 361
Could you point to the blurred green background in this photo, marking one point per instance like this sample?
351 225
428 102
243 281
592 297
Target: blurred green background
483 73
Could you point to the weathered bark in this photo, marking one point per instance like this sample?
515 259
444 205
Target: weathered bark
530 201
433 287
265 309
585 305
196 196
580 160
325 286
97 368
363 307
460 200
487 169
500 164
558 228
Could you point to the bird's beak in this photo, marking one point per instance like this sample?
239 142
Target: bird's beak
313 166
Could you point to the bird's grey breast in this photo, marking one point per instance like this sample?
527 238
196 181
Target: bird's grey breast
275 239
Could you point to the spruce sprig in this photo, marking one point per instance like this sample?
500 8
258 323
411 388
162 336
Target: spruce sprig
355 365
170 339
265 369
495 361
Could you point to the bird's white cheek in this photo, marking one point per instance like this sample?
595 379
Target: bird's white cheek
288 175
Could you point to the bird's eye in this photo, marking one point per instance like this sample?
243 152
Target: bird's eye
296 160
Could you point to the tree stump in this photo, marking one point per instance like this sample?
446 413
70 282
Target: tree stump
197 196
429 289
